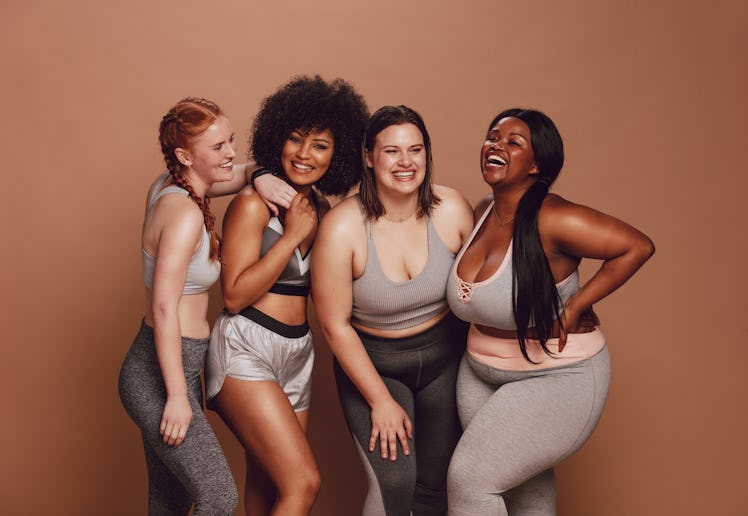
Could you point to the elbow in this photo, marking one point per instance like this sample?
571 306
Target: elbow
646 249
233 304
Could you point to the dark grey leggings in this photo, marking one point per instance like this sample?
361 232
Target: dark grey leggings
196 471
420 373
517 426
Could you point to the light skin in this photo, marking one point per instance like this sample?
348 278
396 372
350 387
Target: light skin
282 474
171 232
398 159
568 231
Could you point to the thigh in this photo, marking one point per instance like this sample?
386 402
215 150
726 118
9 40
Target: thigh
472 392
529 425
261 417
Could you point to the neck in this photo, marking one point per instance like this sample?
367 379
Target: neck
399 208
199 187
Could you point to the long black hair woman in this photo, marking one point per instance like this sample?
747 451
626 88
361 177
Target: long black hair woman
535 376
261 353
159 382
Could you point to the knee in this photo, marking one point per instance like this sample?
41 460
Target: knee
304 486
220 498
218 503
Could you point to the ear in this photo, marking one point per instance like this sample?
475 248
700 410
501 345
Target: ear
183 156
534 170
369 162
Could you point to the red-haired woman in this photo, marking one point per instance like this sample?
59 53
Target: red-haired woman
159 382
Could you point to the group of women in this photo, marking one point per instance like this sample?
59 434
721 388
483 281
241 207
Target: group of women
468 360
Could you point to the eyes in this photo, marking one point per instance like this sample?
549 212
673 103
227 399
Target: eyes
494 138
317 145
416 149
219 146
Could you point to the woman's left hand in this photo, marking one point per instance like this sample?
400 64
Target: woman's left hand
576 322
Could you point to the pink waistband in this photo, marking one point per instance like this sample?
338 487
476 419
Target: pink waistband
506 354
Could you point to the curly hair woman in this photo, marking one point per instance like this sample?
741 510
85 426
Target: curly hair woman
534 380
159 381
260 359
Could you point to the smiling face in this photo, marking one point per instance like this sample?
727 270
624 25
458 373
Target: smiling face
398 158
306 156
210 155
507 156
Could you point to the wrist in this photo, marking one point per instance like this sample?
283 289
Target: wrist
258 173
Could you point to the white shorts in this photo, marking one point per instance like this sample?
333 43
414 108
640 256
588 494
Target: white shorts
257 349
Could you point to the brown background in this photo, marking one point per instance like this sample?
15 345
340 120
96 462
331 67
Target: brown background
649 95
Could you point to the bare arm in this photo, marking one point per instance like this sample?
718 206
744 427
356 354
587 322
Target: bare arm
332 283
178 238
245 277
274 192
581 232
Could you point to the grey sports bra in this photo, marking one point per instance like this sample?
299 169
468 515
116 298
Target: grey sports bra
489 302
379 302
202 271
295 278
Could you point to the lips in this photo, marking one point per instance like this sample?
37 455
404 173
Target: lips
229 165
301 168
404 175
496 160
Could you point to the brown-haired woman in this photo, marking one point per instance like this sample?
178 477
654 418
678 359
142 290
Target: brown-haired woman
159 382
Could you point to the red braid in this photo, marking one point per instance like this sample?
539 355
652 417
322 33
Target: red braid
189 118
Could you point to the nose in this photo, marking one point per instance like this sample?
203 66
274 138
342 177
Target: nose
405 159
302 152
232 151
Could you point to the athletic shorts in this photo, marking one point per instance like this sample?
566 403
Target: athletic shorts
253 346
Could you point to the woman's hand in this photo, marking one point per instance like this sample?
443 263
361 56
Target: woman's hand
301 219
575 321
390 423
274 192
175 420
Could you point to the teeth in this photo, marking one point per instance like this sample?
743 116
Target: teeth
496 160
403 174
302 167
227 165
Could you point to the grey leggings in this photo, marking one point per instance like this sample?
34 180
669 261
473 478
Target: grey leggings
196 471
517 426
420 373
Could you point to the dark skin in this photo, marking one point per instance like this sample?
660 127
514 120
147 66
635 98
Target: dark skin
568 232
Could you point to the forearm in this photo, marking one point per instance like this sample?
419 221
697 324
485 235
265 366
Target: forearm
612 274
254 281
168 338
353 358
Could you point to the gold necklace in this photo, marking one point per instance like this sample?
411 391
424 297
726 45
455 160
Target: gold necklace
399 219
501 222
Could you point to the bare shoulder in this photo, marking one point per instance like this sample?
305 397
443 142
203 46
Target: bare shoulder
248 203
452 199
344 220
482 205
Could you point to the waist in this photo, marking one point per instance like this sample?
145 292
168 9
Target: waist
286 330
505 353
398 333
192 311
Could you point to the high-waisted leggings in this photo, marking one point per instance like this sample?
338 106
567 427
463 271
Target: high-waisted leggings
420 373
194 472
517 426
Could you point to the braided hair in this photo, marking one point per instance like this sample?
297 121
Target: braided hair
188 119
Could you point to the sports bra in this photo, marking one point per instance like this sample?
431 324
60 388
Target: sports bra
489 302
202 271
295 279
379 302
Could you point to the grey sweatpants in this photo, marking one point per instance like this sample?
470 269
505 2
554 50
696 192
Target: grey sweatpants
195 471
517 426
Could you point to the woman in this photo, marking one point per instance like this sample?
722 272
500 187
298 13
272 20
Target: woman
159 382
534 379
379 275
260 359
